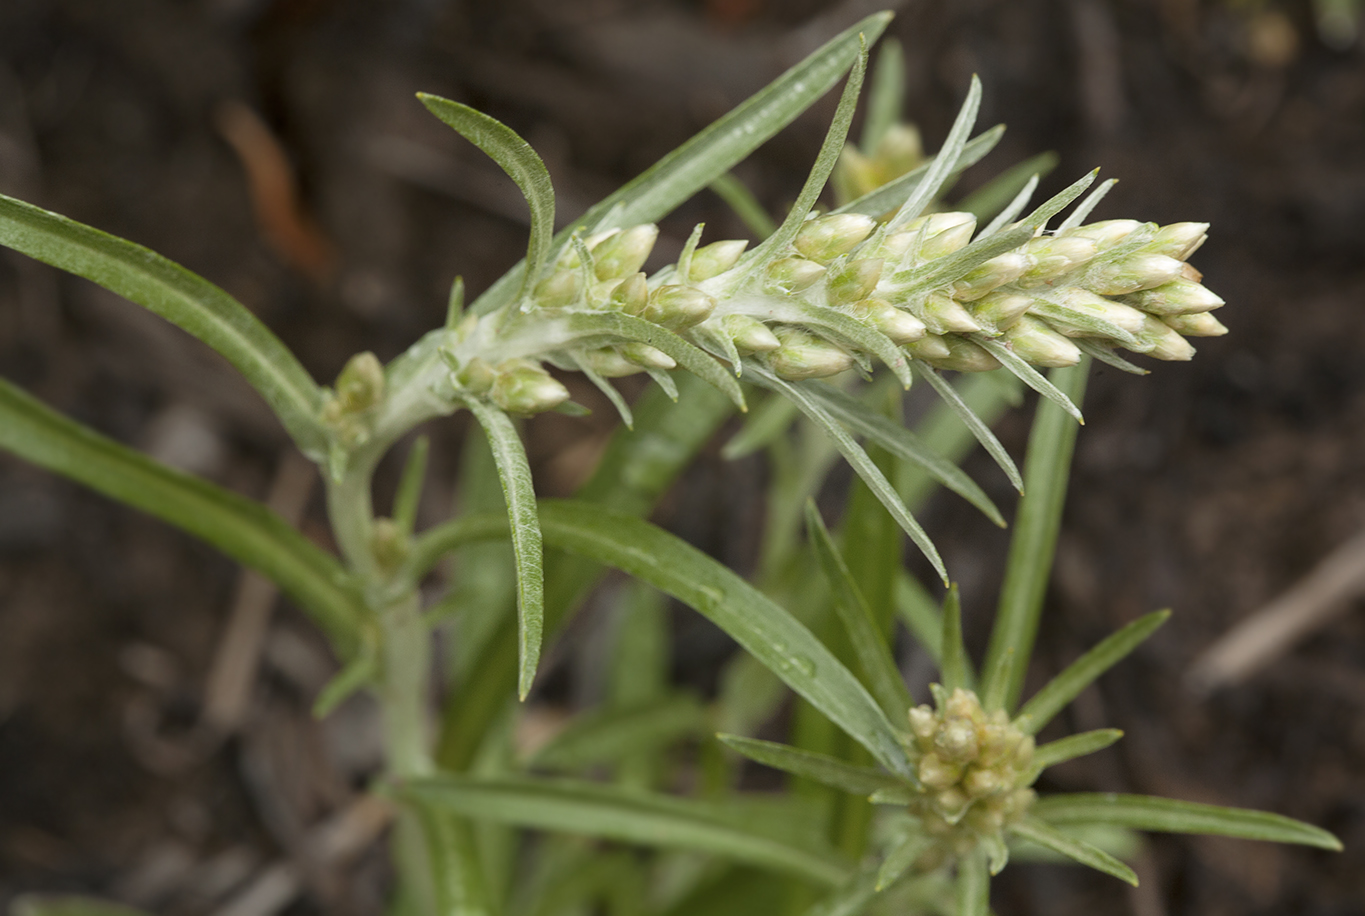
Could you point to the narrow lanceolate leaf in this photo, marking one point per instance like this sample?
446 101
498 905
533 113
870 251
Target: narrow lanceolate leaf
1012 209
917 608
1106 355
1168 815
1027 374
520 495
1048 467
615 325
886 96
630 816
1080 674
1084 208
869 646
978 427
502 144
714 151
410 484
892 195
857 458
954 664
181 297
245 530
824 164
973 885
901 442
609 735
946 160
1073 746
604 386
997 195
826 770
767 631
760 428
1049 837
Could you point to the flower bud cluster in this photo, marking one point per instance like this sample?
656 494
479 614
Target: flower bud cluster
973 768
1117 283
350 406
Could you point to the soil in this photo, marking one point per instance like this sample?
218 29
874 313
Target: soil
1209 487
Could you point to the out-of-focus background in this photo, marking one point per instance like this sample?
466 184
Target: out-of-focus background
275 147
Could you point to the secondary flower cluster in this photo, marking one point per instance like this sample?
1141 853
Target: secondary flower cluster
974 769
848 288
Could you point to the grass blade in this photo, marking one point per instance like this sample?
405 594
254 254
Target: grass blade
853 453
714 151
505 147
245 530
763 628
902 443
1080 674
1169 815
593 809
978 427
829 771
869 646
1034 541
1049 837
519 493
183 298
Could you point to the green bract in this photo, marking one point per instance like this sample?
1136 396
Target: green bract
889 286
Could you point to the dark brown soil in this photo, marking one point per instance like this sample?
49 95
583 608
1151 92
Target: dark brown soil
1209 487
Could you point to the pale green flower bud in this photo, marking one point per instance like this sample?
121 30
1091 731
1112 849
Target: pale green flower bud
568 258
963 704
923 722
631 295
647 356
856 280
475 376
964 356
998 311
1053 257
956 740
899 150
389 543
802 355
944 233
608 362
900 326
715 259
931 348
787 276
979 781
557 290
953 803
1159 340
827 237
678 307
855 174
1178 240
937 773
998 271
1133 273
1038 344
1067 309
360 385
625 252
944 315
1179 297
1106 233
749 334
1022 758
524 388
1200 324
